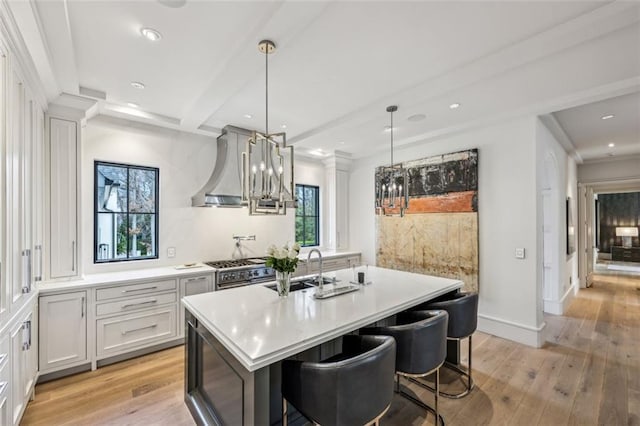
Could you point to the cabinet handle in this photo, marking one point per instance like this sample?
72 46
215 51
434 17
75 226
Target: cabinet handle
140 289
196 279
26 269
73 256
138 329
26 335
128 305
3 386
82 308
38 250
2 358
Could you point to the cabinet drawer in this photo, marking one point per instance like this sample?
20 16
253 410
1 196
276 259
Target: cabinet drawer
125 332
134 289
128 305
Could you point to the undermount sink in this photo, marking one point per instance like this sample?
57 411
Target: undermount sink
304 283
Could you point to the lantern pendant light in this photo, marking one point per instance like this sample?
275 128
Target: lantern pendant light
392 191
267 178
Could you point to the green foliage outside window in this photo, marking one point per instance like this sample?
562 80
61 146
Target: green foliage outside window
307 215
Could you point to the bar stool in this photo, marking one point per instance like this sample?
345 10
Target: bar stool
354 387
463 321
421 338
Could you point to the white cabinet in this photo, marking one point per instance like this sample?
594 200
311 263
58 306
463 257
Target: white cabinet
23 361
38 195
189 286
63 330
5 379
63 243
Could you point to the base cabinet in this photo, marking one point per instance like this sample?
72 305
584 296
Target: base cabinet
22 360
63 330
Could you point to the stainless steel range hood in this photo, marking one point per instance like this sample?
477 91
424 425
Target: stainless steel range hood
224 187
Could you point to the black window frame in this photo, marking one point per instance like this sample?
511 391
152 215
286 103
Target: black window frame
300 203
96 211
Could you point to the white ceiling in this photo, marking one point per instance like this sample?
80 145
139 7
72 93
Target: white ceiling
339 64
591 135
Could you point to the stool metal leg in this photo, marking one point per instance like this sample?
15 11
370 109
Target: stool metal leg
465 373
285 420
439 420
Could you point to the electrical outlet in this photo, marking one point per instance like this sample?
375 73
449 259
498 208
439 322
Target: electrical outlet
519 253
171 252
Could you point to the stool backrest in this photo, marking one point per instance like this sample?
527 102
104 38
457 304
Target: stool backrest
463 313
421 339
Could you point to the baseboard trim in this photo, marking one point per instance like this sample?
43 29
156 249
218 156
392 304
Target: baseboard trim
558 307
521 333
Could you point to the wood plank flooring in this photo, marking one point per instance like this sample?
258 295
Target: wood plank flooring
588 373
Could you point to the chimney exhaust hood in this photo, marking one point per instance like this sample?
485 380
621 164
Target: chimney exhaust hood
224 187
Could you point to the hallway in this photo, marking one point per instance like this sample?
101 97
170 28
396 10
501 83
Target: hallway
587 373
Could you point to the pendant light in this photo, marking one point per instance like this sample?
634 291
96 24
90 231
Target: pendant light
392 195
268 182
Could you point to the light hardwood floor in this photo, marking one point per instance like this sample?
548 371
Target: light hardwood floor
588 373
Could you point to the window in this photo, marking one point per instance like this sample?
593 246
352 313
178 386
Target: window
126 212
307 215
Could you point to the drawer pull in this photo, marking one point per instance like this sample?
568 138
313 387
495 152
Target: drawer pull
2 358
3 386
140 289
128 305
196 279
138 329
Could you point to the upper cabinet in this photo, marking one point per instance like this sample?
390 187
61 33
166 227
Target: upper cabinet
63 149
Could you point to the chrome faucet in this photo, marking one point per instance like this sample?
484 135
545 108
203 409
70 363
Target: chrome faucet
320 281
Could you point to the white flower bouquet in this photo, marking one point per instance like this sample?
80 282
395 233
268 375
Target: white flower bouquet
283 259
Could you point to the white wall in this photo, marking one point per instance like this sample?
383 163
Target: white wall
507 219
185 161
548 148
609 170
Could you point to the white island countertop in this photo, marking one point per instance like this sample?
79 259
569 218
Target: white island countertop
259 328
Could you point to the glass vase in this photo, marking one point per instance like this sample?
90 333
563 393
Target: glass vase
283 283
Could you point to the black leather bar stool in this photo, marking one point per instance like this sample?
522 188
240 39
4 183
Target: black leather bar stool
421 338
354 387
463 321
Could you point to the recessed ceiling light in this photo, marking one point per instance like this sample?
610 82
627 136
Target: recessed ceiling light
341 142
388 128
318 153
133 104
151 34
137 85
417 117
606 117
284 126
248 116
611 145
454 106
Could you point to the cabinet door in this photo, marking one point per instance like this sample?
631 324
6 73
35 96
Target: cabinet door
63 242
3 181
63 330
190 286
38 195
17 372
16 265
29 354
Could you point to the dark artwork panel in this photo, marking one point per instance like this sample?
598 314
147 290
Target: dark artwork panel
621 209
456 172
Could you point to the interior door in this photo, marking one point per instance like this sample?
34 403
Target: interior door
589 237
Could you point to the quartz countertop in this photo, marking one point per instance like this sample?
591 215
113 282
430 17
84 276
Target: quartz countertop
259 328
92 280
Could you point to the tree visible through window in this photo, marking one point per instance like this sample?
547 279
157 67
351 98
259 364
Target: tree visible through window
307 215
126 212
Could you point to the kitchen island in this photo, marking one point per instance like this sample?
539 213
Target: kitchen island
237 338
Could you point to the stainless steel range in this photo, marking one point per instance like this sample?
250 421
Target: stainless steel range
240 272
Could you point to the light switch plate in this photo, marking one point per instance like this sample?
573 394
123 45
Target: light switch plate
171 252
519 253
